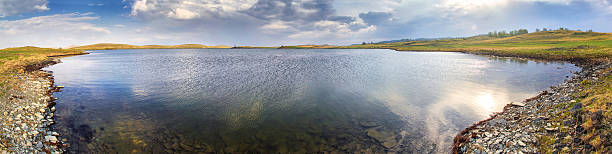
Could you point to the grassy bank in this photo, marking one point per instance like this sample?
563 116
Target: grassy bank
596 113
551 45
23 59
111 46
590 112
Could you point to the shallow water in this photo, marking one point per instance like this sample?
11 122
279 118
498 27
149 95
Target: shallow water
269 100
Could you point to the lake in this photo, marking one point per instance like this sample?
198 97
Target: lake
287 101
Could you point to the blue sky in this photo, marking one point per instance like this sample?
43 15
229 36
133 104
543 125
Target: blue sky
64 23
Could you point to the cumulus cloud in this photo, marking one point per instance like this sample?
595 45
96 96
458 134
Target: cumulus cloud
397 19
285 22
189 9
375 18
331 29
65 30
341 21
306 19
13 7
290 10
291 19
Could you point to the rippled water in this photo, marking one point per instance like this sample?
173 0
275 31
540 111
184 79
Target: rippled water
269 100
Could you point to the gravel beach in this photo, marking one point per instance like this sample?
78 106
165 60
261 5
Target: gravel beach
555 121
27 115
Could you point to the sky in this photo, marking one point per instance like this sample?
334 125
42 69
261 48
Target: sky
65 23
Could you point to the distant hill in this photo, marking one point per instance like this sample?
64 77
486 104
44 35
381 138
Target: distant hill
253 47
308 47
416 39
111 46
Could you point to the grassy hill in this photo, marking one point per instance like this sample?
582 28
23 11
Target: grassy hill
111 46
554 45
16 59
308 47
23 59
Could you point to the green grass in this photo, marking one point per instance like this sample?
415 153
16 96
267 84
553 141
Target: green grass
595 97
15 61
553 45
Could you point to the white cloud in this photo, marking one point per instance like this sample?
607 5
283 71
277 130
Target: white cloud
60 22
95 4
471 6
275 26
337 21
332 29
180 13
189 9
53 30
441 18
355 7
605 5
13 7
291 20
284 22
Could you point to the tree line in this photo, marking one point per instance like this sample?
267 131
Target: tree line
561 29
508 34
525 31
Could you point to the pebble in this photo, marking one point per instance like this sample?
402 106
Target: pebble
51 139
24 111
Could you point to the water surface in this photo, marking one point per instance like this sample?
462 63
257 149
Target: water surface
269 100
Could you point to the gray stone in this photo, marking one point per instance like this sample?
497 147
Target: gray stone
39 144
51 139
368 124
519 104
521 143
386 138
577 106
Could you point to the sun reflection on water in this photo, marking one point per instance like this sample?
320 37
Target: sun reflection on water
486 101
283 100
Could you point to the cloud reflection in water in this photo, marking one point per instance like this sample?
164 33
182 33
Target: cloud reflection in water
285 100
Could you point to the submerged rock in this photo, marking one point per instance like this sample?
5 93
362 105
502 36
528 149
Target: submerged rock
387 138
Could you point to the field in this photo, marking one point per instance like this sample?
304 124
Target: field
552 45
21 60
15 60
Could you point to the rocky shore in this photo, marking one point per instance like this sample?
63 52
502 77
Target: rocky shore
569 118
27 114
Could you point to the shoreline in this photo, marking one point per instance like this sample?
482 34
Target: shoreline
500 132
29 111
465 141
